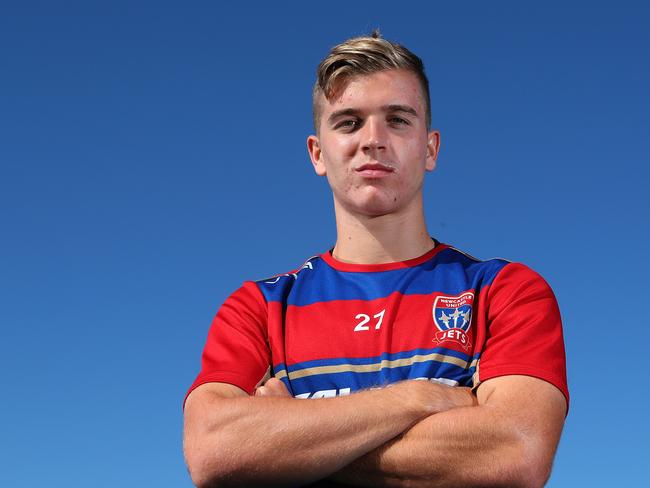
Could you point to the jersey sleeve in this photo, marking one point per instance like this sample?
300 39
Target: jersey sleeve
524 329
237 351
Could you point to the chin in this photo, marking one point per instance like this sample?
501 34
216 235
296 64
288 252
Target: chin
377 208
372 204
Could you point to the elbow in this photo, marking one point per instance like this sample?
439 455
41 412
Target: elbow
534 467
200 477
209 465
208 472
531 477
524 477
515 475
201 470
537 474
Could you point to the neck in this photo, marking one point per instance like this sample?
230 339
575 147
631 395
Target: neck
382 239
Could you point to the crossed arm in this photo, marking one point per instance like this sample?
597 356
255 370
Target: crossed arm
415 433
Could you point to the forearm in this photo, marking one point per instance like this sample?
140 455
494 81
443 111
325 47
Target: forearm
286 440
255 440
509 442
461 447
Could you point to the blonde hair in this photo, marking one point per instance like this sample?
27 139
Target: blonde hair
363 56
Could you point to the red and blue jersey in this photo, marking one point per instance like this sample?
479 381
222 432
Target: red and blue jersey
331 328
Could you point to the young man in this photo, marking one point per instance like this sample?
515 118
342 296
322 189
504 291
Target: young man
354 328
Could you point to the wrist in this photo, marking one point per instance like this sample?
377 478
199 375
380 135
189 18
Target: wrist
464 397
428 397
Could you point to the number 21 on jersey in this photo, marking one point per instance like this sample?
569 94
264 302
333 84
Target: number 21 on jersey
363 320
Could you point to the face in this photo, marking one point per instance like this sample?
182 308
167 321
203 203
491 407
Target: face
373 144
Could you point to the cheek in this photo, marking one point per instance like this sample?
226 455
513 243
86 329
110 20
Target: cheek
337 156
337 148
416 150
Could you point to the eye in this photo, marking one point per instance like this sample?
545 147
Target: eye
348 124
398 121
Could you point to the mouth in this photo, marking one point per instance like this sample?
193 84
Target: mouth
374 170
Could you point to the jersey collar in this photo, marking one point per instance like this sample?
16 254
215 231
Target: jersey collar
369 268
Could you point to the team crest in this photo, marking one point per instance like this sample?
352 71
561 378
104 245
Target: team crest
453 317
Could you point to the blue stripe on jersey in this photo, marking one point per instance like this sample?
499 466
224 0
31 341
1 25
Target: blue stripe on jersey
358 381
455 273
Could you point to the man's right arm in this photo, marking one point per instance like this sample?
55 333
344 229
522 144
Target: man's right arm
233 439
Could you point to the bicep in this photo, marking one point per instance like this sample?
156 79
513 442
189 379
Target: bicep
201 399
199 415
199 406
510 436
217 389
535 408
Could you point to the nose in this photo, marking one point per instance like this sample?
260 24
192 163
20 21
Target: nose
373 136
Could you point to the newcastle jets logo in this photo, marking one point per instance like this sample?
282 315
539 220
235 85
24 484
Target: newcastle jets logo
453 316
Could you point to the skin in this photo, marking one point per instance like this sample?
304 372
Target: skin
509 409
372 208
232 439
375 149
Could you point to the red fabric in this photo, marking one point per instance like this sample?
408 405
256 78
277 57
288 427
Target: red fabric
238 331
516 329
524 334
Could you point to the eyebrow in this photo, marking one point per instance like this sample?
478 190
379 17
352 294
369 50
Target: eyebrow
340 113
400 108
386 108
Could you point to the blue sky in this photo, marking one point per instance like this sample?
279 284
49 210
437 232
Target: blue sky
152 157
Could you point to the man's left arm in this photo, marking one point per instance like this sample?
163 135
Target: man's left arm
508 439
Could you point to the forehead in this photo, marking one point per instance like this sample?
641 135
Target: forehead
384 88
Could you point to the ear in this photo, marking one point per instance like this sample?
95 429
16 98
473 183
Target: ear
316 155
433 146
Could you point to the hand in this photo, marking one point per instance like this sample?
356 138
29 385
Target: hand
272 388
432 396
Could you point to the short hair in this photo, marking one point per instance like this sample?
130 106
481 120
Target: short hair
359 56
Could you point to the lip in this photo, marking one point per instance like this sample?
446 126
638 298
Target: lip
374 170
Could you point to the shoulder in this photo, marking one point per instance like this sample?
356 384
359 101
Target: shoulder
293 274
495 274
483 270
276 286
